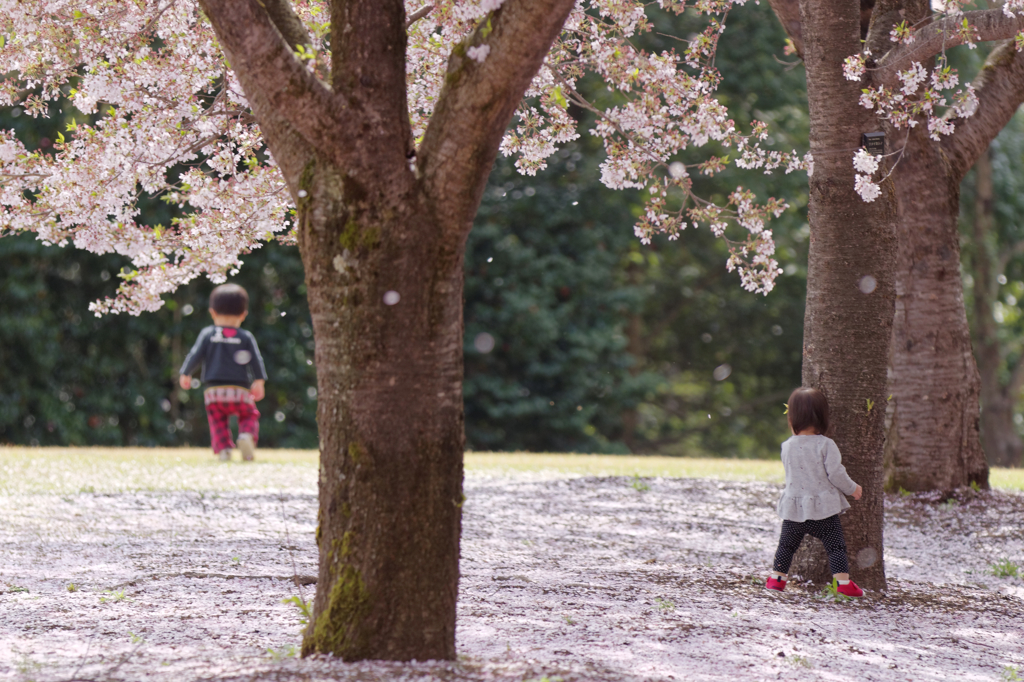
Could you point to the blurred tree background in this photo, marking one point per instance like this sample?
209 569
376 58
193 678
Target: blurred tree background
578 338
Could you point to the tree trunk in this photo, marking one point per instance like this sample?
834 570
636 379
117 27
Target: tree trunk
387 314
382 225
848 320
998 432
636 347
934 439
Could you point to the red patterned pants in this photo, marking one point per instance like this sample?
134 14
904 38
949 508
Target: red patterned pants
221 403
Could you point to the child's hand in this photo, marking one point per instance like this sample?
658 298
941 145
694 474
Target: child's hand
858 492
185 381
257 390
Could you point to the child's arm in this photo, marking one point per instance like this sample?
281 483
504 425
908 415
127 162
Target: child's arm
257 390
836 472
192 362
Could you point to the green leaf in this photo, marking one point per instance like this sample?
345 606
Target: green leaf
556 94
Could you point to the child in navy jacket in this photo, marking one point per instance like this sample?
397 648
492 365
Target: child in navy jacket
233 373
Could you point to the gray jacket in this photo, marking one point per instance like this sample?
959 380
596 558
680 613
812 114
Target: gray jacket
816 479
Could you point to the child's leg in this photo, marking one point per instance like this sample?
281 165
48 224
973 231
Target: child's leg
220 433
789 542
830 532
249 421
248 430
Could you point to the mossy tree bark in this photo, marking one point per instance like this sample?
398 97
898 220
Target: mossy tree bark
382 227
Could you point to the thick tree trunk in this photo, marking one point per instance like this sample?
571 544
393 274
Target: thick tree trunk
999 434
382 226
934 436
386 302
850 289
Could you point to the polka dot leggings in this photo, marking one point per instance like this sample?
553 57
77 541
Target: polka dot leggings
829 531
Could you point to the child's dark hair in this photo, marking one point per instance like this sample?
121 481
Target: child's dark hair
808 408
229 299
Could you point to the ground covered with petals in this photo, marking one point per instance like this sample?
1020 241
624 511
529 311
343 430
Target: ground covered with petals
189 573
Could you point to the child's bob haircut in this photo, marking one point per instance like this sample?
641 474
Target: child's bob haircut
808 408
229 299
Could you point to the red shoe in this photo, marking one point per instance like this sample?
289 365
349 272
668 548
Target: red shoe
776 584
850 589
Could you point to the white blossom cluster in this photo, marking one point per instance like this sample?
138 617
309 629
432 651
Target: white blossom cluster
1013 8
855 66
153 96
924 96
159 113
670 109
902 33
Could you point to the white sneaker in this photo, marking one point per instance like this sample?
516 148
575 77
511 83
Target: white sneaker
247 446
224 455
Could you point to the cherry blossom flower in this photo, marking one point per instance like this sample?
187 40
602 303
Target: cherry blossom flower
867 190
902 33
1013 8
479 52
912 78
865 162
854 67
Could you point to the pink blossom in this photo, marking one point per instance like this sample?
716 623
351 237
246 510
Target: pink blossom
867 190
479 52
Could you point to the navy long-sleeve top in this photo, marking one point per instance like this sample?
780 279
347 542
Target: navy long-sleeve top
229 356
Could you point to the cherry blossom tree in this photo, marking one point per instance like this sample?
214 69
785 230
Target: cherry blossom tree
936 131
364 131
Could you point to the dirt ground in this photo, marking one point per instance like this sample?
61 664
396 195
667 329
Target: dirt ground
571 578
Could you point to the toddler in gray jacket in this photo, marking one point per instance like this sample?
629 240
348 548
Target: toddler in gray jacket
815 494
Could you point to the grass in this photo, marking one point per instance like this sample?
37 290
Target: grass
1005 569
831 593
1006 479
25 470
798 660
628 465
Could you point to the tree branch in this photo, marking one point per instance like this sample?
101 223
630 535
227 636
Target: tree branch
1000 88
883 16
368 72
418 14
478 100
931 40
297 113
287 22
788 14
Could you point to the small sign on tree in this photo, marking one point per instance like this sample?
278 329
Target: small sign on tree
874 143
